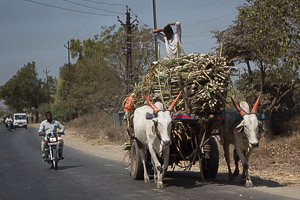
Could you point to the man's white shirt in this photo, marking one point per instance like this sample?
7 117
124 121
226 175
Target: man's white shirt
171 44
46 127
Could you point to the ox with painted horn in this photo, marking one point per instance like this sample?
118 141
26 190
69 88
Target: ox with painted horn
243 134
154 135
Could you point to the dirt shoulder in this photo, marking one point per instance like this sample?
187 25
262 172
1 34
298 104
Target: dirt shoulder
269 173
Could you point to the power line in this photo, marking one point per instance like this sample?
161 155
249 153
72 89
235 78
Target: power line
79 4
209 20
78 11
140 20
112 4
201 6
196 34
184 43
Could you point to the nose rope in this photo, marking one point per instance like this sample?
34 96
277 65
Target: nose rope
155 132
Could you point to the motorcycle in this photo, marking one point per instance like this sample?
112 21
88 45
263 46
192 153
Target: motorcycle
9 125
52 150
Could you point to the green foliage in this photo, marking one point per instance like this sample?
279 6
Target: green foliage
265 33
23 90
97 81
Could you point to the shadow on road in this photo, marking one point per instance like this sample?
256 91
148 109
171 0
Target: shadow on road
222 178
64 167
193 180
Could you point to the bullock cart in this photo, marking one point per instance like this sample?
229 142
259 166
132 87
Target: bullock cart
202 80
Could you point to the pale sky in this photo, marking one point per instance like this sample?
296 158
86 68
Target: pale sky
30 31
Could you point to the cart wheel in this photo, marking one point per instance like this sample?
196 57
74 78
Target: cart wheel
211 165
136 166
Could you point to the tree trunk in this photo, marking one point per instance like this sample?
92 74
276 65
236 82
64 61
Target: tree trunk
37 119
267 126
262 78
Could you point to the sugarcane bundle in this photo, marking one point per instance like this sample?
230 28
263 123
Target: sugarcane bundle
202 78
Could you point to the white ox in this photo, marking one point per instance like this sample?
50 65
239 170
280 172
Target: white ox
244 136
155 135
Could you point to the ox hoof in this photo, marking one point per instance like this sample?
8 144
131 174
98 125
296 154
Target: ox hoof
155 178
160 186
236 172
249 184
230 177
147 179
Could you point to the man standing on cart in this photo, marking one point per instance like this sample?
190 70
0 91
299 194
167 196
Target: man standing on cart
171 39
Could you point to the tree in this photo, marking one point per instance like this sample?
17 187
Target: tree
23 90
266 33
98 77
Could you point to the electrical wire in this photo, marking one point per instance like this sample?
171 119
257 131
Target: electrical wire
204 39
140 20
112 4
196 34
78 11
210 20
201 6
79 4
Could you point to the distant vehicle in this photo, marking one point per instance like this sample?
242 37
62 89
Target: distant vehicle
20 120
9 125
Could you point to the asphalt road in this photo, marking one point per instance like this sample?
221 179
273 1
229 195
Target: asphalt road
23 175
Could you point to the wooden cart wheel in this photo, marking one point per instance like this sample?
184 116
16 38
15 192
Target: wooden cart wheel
136 166
210 166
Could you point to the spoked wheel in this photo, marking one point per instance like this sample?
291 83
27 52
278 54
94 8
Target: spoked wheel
136 166
210 166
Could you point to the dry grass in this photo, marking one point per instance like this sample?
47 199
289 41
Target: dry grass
97 128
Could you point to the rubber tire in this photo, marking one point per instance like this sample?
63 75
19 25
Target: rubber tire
55 161
136 165
55 164
25 127
212 163
9 128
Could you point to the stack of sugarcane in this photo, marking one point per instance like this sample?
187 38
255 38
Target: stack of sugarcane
202 78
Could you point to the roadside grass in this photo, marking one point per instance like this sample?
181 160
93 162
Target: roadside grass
97 128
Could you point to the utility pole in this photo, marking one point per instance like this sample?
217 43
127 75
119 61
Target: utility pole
128 25
69 80
47 85
155 27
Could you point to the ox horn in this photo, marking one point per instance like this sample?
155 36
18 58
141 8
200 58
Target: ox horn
174 102
238 107
255 107
151 104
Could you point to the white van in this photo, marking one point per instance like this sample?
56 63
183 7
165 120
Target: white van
20 120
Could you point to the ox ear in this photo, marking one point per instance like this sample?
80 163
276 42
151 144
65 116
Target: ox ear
239 128
244 105
155 120
260 123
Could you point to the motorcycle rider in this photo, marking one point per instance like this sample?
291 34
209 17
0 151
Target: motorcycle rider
50 126
8 119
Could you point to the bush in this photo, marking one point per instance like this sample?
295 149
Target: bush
98 127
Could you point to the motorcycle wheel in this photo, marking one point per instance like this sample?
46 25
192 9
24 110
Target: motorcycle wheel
9 129
55 161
